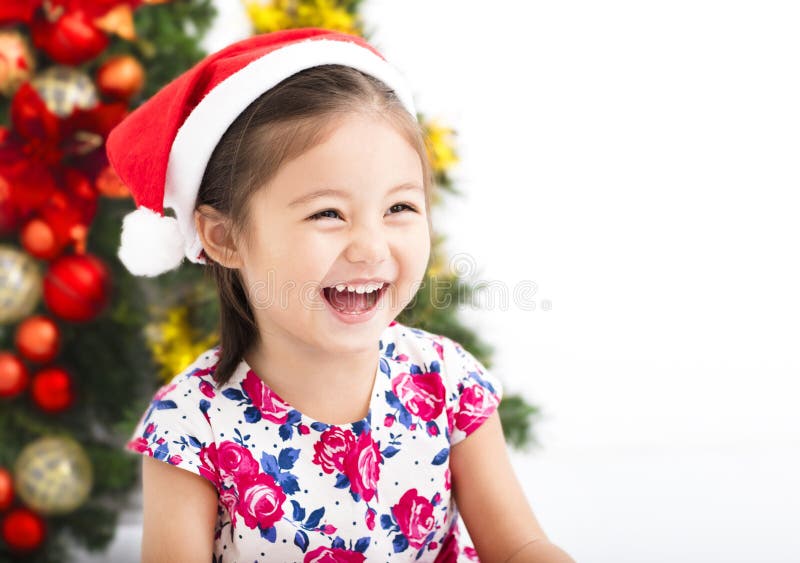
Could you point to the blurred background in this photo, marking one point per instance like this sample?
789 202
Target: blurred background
619 194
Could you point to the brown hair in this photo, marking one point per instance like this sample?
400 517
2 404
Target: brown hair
281 124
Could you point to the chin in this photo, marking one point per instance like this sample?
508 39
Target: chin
347 345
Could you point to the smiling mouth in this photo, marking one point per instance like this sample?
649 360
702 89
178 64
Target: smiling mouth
351 302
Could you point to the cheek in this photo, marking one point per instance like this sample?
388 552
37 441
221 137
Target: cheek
312 254
302 263
412 254
415 249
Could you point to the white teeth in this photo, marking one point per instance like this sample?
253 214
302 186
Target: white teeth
369 288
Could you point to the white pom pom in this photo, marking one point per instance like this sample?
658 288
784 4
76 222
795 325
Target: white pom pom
150 244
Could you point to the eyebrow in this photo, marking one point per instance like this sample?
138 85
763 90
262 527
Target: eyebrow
346 195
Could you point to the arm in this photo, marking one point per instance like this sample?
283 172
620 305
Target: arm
180 510
487 490
538 551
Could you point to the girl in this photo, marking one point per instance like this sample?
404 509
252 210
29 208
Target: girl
319 428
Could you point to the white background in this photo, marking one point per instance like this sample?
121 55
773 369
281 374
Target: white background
637 162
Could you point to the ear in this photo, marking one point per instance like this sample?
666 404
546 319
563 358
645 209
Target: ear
213 228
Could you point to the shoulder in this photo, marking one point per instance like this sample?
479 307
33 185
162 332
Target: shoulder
405 342
448 356
472 392
194 383
188 402
176 427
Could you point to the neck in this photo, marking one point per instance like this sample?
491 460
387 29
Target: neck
326 385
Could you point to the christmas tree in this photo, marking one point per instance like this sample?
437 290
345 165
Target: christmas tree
73 349
84 344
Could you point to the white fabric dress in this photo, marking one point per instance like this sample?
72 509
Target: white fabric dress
294 489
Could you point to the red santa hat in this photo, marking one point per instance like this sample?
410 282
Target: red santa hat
160 150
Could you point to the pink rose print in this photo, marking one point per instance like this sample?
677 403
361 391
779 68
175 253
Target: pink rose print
363 466
470 553
369 518
324 554
207 389
439 348
474 406
449 551
236 461
414 515
229 497
200 372
164 391
272 407
175 460
208 463
423 394
332 448
139 444
450 419
261 501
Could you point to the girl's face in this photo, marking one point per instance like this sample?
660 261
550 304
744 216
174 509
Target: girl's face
375 227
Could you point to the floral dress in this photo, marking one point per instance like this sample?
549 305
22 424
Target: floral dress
293 489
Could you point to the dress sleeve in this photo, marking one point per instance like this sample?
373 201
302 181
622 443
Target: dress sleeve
175 429
473 392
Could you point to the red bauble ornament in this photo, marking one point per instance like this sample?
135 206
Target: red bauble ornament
23 529
39 239
38 338
68 37
120 77
10 217
76 287
68 213
6 489
109 184
52 390
13 375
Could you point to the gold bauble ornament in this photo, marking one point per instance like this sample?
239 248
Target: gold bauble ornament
53 475
20 284
64 88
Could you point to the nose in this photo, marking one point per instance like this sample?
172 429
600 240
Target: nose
368 243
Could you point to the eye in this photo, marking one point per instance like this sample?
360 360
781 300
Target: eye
319 215
403 205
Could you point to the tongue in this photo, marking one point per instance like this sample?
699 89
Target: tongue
349 302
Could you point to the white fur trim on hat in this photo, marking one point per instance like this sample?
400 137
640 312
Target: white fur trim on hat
150 243
204 126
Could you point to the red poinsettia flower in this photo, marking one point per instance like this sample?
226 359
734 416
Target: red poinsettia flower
67 30
33 152
18 11
92 8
